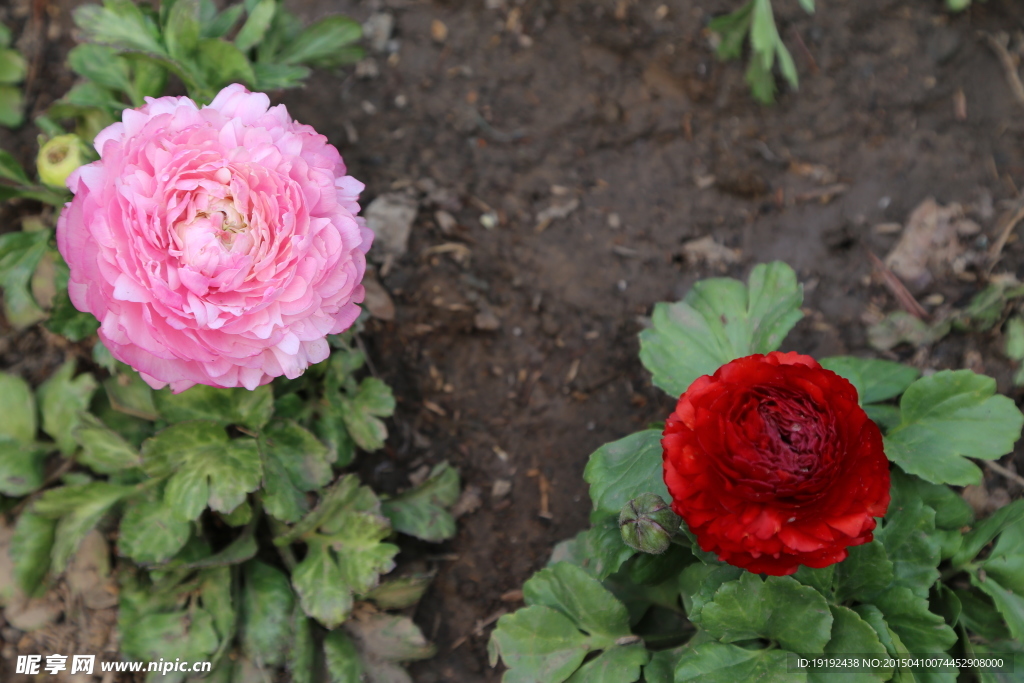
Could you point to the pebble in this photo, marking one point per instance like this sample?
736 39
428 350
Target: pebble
391 216
486 320
377 29
501 488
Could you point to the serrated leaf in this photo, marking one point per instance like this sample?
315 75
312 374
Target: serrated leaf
13 66
267 603
360 413
342 659
719 320
947 416
319 44
1005 563
986 530
150 534
389 638
61 401
721 663
294 461
621 470
103 449
79 507
617 665
538 644
820 580
979 615
865 573
256 25
119 23
699 582
921 630
21 467
908 534
579 596
181 30
422 511
851 634
1009 603
252 409
20 253
206 467
30 549
18 406
102 64
129 394
875 380
67 321
779 608
733 29
345 554
599 550
239 550
240 516
223 63
280 76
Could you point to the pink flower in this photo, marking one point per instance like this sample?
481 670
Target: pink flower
217 245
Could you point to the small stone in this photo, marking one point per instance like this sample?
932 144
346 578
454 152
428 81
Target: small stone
391 216
367 68
438 31
377 30
468 503
378 302
614 221
486 321
501 488
489 220
445 221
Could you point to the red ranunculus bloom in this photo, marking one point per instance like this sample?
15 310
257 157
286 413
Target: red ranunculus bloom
772 464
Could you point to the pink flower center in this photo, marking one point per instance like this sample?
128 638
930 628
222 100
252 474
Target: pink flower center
217 235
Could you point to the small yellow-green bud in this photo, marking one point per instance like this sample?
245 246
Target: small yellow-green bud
647 524
58 158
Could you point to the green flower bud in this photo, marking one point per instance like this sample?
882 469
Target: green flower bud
58 158
647 524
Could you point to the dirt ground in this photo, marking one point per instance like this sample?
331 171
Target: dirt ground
513 349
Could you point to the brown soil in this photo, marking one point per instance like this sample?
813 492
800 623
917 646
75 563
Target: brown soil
624 107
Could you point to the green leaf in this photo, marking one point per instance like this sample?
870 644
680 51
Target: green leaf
330 427
851 635
699 582
400 593
267 603
875 380
865 573
617 665
721 663
18 406
12 170
181 31
538 644
20 253
223 63
820 580
987 529
345 554
1014 343
320 44
1009 603
718 321
129 394
621 470
599 550
239 550
733 29
389 638
255 27
661 668
302 653
30 549
103 65
21 467
280 76
651 570
422 511
62 400
951 511
294 461
240 516
949 415
979 615
908 534
79 507
103 449
67 321
922 631
1005 563
343 662
218 26
579 596
779 608
206 467
251 409
150 534
119 23
12 67
360 413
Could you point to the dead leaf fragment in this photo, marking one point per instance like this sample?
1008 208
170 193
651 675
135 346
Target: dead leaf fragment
438 31
707 250
556 211
930 244
377 301
390 217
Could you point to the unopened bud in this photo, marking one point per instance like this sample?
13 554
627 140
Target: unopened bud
647 524
58 158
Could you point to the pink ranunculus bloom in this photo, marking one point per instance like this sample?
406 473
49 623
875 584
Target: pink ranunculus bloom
216 245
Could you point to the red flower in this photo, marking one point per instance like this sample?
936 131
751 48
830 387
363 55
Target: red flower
772 463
